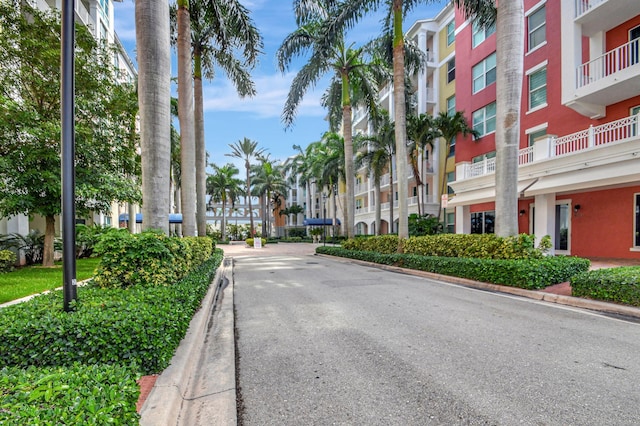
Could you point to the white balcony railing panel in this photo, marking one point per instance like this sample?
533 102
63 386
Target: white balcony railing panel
525 155
583 6
610 63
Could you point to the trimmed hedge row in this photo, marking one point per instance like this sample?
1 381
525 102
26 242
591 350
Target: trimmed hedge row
523 273
150 258
139 326
481 246
620 285
74 395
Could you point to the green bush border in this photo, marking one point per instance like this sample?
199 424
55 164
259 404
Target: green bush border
620 285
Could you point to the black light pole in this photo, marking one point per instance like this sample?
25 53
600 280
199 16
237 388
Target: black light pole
68 153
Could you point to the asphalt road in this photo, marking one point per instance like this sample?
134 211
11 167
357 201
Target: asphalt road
326 342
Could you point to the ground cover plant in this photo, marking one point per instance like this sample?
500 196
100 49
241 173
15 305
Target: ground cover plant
81 367
620 285
36 279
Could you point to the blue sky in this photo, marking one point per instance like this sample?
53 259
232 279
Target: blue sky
229 118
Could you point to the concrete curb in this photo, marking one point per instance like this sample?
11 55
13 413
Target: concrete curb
577 302
164 404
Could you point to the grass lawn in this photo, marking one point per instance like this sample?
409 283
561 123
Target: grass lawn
36 279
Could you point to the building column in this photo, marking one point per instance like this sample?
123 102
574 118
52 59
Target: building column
463 219
544 220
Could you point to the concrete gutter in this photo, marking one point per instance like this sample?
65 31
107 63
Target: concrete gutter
199 386
577 302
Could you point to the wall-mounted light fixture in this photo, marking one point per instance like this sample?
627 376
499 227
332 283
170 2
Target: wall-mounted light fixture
576 208
522 212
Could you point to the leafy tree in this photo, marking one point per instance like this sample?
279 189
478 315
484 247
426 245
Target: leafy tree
247 150
224 187
449 126
154 91
354 78
30 122
421 135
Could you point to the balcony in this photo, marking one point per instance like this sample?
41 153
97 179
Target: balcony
610 78
603 15
599 156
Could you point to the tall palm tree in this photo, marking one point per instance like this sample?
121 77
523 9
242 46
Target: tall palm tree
222 36
381 148
246 150
224 187
154 91
509 19
421 135
450 126
299 169
352 73
186 118
270 184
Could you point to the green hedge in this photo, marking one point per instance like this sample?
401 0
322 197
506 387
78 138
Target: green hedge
7 260
522 273
482 246
620 285
150 258
141 326
249 242
74 395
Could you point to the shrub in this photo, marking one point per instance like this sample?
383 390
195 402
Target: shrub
523 273
424 225
87 237
249 241
380 243
138 326
7 260
620 285
31 245
78 394
296 232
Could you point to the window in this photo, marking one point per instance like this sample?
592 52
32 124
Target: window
415 191
480 34
451 33
637 227
451 221
451 177
451 106
452 147
483 222
483 157
451 70
536 25
484 73
538 88
535 135
484 119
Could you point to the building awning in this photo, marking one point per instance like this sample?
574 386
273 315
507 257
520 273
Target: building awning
173 218
320 222
484 195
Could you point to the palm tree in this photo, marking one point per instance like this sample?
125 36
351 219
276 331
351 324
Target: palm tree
381 148
352 73
269 183
449 126
246 150
294 210
299 169
154 90
421 134
223 187
224 36
186 118
508 16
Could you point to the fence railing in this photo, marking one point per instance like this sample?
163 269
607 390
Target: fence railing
613 61
582 6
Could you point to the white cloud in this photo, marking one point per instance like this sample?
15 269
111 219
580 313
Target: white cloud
269 101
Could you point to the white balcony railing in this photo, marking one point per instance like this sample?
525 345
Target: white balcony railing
610 63
582 6
622 130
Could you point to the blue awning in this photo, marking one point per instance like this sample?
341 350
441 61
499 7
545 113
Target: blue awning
320 222
173 217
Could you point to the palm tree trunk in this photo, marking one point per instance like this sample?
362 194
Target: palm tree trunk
132 217
223 224
400 120
252 230
186 118
348 157
391 200
201 153
154 97
510 39
377 193
443 186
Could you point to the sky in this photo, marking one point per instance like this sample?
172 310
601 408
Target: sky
228 118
